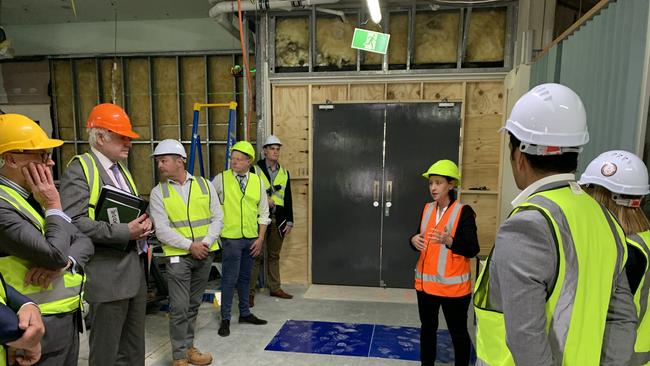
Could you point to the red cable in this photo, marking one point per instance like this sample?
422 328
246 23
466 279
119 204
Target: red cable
246 71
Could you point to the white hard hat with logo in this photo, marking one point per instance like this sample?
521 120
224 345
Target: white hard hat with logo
619 171
170 147
549 119
272 140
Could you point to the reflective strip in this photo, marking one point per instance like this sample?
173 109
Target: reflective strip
165 189
480 362
455 280
645 290
442 255
561 318
12 201
58 292
202 185
427 216
184 223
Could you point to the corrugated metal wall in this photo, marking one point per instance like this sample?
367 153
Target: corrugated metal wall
603 62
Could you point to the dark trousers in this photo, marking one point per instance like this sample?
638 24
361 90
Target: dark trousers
117 331
186 280
455 311
60 344
273 245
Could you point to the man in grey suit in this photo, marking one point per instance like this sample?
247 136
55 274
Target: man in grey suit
116 287
42 254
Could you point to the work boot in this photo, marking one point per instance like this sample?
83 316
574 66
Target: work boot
224 328
180 362
196 357
252 319
281 294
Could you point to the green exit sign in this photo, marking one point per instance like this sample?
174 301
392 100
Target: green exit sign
370 41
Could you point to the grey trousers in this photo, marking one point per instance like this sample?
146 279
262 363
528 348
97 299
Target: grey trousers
117 331
60 344
186 281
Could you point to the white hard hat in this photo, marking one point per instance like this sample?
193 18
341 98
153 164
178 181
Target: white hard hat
272 140
170 147
619 171
549 119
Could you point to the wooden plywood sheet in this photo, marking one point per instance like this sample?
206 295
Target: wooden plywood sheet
61 74
403 91
111 76
294 258
485 98
359 92
192 91
220 90
485 207
323 93
398 45
291 125
436 37
139 103
333 39
165 89
482 139
440 91
141 167
86 87
292 41
486 36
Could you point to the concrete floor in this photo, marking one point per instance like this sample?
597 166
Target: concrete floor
246 343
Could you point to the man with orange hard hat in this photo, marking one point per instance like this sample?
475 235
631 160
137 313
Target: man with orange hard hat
116 287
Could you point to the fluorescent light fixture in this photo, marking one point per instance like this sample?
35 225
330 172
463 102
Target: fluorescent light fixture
375 11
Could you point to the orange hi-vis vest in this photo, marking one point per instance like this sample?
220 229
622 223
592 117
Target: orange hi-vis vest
439 271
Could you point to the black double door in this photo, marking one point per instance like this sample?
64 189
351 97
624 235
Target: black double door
368 191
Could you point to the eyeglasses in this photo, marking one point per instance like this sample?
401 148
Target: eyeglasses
45 155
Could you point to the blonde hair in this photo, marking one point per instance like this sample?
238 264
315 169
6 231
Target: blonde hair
632 219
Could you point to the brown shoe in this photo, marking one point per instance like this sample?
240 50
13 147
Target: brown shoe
180 362
281 294
251 301
196 357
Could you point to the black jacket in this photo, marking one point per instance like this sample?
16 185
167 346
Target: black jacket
281 212
465 240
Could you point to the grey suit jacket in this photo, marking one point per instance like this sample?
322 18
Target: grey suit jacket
113 274
20 238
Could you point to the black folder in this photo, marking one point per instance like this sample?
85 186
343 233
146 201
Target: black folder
117 206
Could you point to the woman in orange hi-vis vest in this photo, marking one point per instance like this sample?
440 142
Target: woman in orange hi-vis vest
446 240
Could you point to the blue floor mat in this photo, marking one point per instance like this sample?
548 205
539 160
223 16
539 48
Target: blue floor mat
361 340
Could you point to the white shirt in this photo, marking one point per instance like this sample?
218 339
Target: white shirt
262 207
165 233
535 186
106 163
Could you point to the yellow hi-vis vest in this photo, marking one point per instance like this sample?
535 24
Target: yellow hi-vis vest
240 209
191 220
281 180
591 253
3 301
64 293
641 354
91 172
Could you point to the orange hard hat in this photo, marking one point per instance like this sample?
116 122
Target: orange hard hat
112 118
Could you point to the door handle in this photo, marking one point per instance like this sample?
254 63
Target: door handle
389 197
375 194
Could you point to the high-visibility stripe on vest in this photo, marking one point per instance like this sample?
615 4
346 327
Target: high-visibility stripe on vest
239 209
439 271
641 354
64 293
591 254
192 220
89 166
281 179
3 301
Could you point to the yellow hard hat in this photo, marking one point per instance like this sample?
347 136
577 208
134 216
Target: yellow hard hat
445 168
21 133
244 147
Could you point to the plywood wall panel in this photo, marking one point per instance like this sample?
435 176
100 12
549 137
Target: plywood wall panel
138 98
294 258
334 93
367 92
291 125
486 218
165 97
403 91
440 91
